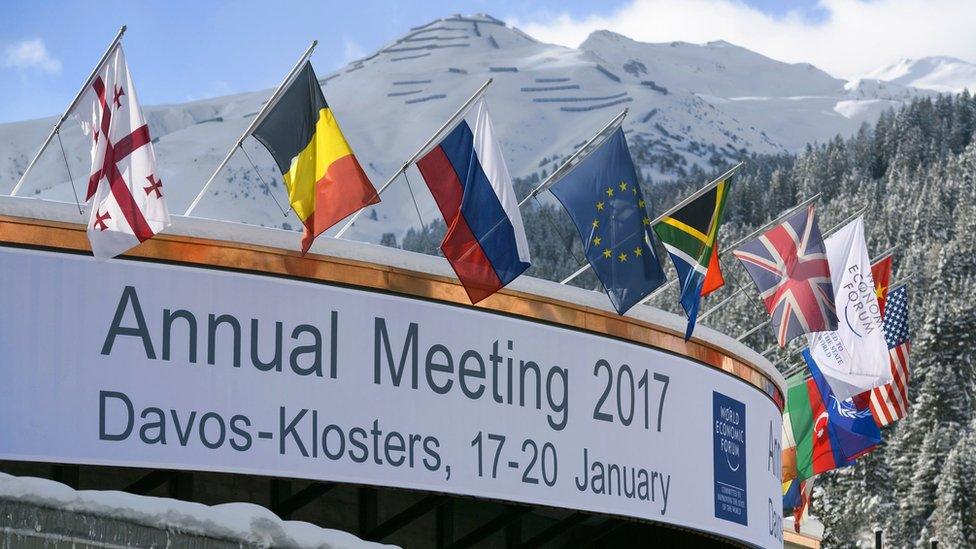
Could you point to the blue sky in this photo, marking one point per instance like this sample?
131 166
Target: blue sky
183 50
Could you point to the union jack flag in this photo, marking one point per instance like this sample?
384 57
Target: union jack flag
890 401
788 263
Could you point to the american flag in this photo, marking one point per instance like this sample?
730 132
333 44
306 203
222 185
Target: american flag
890 401
788 263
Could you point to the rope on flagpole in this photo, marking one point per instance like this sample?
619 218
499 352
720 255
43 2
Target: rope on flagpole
68 168
416 207
284 212
420 152
71 106
271 102
556 229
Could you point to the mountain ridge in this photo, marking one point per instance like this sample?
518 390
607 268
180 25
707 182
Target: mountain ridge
690 105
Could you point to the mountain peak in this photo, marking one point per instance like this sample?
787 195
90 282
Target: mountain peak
939 73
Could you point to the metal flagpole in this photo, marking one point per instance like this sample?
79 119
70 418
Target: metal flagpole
735 294
794 369
753 330
846 220
552 179
778 219
901 282
671 210
254 124
57 125
884 254
580 271
698 193
420 151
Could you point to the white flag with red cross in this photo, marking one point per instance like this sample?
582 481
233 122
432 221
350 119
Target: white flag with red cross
125 192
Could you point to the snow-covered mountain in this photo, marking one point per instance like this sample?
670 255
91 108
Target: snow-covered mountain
689 104
941 74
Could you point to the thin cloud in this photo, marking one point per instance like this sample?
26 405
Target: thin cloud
849 38
353 51
30 54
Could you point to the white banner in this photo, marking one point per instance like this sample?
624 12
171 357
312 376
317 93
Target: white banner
854 358
150 365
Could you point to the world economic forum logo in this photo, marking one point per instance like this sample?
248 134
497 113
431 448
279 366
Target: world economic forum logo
729 458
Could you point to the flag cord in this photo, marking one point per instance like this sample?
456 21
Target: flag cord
555 228
57 126
66 167
423 235
267 188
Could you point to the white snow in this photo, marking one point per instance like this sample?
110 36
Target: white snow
937 73
545 101
244 522
861 109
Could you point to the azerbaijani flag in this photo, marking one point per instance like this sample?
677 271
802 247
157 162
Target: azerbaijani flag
828 433
467 176
325 181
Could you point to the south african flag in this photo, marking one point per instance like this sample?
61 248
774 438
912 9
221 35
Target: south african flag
690 236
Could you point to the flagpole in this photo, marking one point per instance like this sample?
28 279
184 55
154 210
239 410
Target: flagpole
720 304
778 219
681 204
698 193
753 330
262 114
900 282
883 255
579 271
403 168
795 369
551 180
74 102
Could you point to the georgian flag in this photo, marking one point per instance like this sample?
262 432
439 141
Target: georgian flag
124 190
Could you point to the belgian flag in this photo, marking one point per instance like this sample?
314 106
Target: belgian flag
325 181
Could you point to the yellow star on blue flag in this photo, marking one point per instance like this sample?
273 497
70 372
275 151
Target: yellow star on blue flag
612 222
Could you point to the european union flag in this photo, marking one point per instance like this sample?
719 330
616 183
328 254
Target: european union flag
603 198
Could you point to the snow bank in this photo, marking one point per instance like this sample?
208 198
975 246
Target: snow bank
243 522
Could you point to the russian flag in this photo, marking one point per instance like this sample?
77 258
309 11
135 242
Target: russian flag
466 173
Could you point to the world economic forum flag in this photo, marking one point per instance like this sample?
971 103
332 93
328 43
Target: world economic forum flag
604 200
854 357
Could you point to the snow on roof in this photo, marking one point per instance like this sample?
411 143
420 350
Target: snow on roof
403 259
243 522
